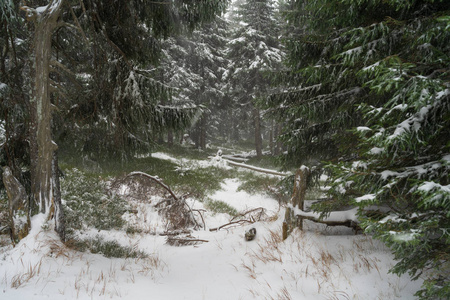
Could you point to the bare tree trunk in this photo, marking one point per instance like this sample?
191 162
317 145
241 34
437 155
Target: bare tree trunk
258 138
42 146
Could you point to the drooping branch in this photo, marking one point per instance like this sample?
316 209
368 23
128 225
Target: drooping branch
162 184
155 179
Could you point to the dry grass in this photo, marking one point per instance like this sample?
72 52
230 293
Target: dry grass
30 272
326 267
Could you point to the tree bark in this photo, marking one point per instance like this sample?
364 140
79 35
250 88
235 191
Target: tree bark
60 226
278 144
297 200
258 138
41 145
45 25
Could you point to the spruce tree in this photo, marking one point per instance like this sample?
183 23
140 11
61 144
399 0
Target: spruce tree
193 65
369 92
255 52
88 69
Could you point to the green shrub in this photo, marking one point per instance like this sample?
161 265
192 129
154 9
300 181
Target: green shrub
87 203
279 189
217 206
108 248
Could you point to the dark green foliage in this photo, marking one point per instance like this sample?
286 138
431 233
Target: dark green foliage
217 206
193 67
254 52
87 203
368 91
117 106
107 102
108 248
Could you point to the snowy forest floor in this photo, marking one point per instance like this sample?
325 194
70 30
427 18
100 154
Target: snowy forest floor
318 263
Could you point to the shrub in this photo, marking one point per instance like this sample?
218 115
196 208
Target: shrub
108 248
217 206
87 203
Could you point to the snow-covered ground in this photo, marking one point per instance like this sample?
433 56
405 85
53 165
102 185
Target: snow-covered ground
318 263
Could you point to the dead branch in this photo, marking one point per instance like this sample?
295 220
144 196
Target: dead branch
78 24
201 216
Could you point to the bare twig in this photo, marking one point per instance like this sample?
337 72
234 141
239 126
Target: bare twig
201 216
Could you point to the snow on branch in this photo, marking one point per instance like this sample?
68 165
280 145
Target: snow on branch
261 170
346 218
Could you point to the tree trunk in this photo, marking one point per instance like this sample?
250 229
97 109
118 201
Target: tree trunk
258 138
203 132
278 144
271 137
42 146
170 137
297 200
60 226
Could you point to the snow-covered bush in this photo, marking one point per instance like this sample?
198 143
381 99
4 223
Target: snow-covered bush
109 248
87 203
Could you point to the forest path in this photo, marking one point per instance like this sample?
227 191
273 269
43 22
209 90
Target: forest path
318 263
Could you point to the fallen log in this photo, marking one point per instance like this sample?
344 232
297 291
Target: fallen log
235 158
261 170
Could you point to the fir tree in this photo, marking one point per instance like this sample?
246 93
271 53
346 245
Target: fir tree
255 52
193 66
380 68
87 67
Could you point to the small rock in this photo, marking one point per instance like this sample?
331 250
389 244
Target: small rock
250 234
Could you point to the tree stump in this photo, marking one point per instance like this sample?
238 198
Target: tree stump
18 213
